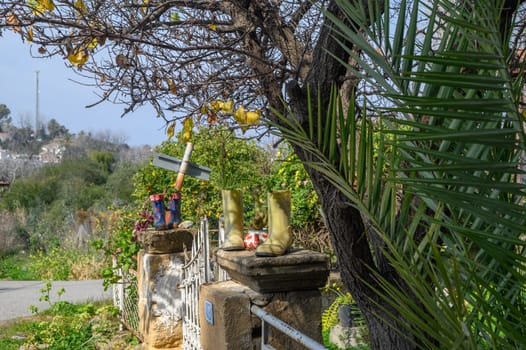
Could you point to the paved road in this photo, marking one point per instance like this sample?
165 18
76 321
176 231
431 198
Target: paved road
17 296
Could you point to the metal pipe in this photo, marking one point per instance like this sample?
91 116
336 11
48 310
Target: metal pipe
206 243
286 329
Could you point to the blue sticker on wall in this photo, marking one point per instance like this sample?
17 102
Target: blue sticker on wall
209 312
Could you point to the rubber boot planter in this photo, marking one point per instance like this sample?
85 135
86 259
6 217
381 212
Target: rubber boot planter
279 237
159 220
174 206
233 214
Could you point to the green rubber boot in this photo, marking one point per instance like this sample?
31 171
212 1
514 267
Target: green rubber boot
279 237
233 213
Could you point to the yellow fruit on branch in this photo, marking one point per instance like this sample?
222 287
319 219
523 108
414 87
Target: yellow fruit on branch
228 107
188 124
39 7
252 117
216 106
78 57
240 116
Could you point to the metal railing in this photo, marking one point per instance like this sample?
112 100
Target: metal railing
125 297
196 271
291 332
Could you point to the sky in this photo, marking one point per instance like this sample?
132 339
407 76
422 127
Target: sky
64 100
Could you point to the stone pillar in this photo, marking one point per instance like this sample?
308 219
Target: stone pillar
286 286
160 263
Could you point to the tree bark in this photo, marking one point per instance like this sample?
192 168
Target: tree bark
349 236
355 259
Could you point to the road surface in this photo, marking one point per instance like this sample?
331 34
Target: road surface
17 296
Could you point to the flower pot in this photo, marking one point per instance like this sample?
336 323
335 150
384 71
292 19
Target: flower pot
345 315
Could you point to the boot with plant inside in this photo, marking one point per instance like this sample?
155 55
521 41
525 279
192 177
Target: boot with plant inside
233 224
279 236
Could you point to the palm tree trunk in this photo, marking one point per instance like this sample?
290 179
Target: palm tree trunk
355 259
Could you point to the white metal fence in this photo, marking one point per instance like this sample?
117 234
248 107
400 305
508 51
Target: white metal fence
125 297
196 271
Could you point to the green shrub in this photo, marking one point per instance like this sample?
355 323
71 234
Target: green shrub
235 163
61 263
74 326
330 318
17 267
289 173
121 248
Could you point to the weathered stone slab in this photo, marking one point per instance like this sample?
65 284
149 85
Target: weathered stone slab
297 270
166 241
160 300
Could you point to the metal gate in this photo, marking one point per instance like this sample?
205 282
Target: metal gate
196 271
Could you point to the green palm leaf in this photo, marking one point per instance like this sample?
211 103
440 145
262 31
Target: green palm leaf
434 168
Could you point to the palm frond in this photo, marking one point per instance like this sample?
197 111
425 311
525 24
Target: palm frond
435 167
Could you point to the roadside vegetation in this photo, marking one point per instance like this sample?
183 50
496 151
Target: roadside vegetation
68 326
72 220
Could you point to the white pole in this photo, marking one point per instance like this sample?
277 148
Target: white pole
37 104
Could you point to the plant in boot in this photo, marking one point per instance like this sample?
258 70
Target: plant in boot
174 206
233 214
279 237
159 221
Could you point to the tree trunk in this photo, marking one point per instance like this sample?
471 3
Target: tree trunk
355 259
353 244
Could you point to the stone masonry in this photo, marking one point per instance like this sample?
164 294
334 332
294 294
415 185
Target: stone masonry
160 264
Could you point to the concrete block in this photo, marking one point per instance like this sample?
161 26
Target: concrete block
224 316
230 325
166 241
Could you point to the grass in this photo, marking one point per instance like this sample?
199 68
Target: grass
68 326
65 325
57 264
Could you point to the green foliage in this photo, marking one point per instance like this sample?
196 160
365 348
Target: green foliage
55 129
45 296
445 199
235 163
121 248
104 159
53 265
329 316
289 173
57 182
67 326
70 326
61 263
119 186
13 334
51 199
4 115
17 267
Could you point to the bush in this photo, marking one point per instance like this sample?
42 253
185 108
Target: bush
11 237
16 267
235 163
288 173
61 264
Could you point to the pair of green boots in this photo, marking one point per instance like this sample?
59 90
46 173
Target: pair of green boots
279 238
